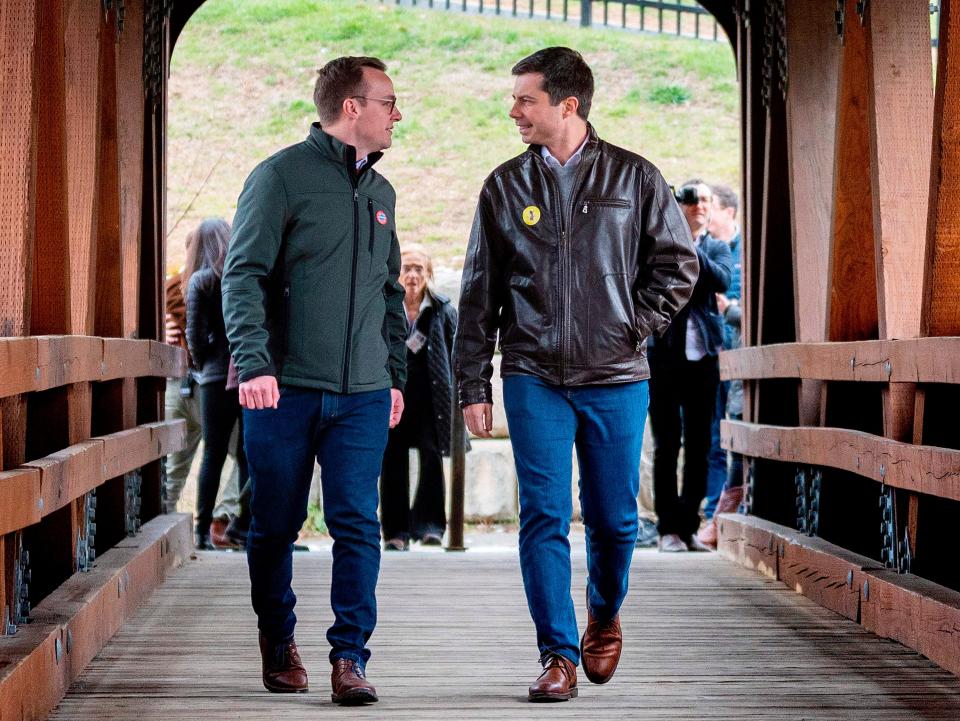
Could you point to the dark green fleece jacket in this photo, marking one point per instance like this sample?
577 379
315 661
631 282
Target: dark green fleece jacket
310 289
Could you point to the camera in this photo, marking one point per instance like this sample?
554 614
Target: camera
687 195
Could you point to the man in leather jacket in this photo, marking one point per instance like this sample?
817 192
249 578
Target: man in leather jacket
578 252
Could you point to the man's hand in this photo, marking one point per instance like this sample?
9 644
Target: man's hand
260 392
722 303
172 332
396 407
479 419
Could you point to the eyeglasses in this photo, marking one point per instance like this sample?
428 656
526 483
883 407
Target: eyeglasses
388 103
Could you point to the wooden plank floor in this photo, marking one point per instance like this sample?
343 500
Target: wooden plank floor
704 640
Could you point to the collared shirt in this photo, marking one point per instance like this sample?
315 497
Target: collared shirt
412 324
566 173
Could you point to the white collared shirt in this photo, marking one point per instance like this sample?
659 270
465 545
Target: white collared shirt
572 162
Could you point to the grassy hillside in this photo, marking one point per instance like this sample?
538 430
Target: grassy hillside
242 80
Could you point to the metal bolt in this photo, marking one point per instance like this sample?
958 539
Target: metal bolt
888 368
69 640
57 649
783 550
850 579
40 504
866 590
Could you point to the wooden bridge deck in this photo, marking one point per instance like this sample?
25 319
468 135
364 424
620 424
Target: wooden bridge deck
704 640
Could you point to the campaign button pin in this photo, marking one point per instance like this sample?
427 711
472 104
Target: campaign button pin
531 215
381 217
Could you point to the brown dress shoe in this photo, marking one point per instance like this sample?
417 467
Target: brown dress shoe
558 682
283 671
600 648
350 685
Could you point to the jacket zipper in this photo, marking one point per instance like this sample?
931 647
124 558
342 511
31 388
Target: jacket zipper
603 202
372 228
353 289
564 260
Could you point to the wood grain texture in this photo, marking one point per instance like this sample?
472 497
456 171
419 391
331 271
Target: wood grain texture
812 48
942 277
130 124
852 302
703 639
39 363
901 123
82 103
923 469
923 360
18 163
51 267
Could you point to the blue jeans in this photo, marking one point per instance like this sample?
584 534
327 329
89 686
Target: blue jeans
606 424
717 468
346 434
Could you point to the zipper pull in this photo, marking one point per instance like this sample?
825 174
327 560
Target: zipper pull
584 211
356 195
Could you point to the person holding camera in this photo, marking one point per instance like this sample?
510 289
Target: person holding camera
684 375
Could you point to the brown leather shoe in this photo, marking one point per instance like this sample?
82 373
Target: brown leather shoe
350 685
600 648
283 671
558 682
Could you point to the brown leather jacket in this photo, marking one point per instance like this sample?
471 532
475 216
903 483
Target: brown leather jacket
572 292
175 306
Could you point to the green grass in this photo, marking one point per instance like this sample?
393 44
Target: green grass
242 80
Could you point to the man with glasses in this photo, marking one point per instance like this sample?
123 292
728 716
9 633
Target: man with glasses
684 375
578 253
314 313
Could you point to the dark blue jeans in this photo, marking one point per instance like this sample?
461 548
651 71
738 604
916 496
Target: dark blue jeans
717 471
605 422
346 434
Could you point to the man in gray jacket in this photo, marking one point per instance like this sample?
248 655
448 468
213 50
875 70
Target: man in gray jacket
314 314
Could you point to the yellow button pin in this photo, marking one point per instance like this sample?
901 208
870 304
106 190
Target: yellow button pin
531 215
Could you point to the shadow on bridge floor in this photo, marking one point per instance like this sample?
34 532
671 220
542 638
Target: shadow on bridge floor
704 639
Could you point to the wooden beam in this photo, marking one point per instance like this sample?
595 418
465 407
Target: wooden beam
918 613
852 300
82 110
942 278
51 267
919 360
130 125
923 469
38 363
74 622
813 54
19 157
68 474
901 122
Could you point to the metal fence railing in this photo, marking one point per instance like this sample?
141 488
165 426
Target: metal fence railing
683 18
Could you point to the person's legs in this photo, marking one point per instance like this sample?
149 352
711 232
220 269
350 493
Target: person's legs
178 463
218 413
665 425
350 444
610 422
717 463
395 488
228 502
543 426
428 515
279 445
698 396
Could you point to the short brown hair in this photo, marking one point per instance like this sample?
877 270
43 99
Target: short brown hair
726 197
338 80
565 73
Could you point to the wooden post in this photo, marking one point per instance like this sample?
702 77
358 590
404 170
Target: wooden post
458 451
814 51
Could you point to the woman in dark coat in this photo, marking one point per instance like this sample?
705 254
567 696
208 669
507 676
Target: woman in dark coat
425 424
207 339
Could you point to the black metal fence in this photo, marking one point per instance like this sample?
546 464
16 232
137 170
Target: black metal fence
682 17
